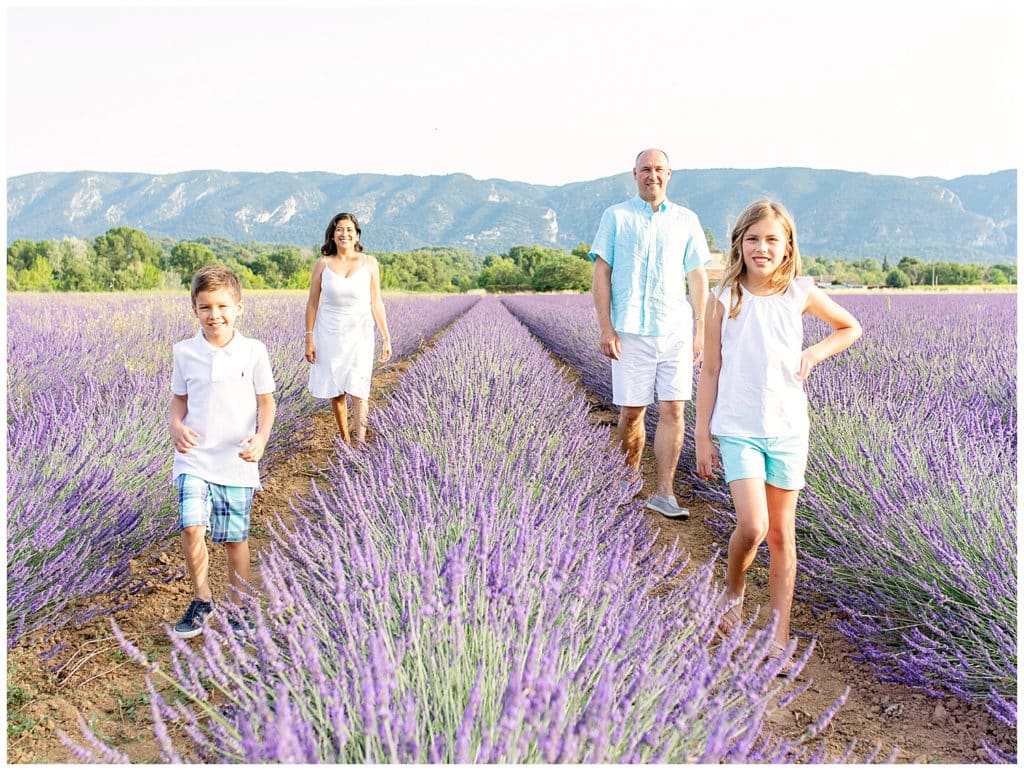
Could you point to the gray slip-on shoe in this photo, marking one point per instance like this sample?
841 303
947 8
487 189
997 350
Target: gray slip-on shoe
666 505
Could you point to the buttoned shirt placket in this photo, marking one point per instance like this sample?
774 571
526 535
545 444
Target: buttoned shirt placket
650 244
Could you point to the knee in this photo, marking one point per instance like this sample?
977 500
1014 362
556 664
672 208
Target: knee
631 416
193 535
781 540
672 412
749 535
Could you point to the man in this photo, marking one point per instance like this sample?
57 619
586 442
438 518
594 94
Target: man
645 252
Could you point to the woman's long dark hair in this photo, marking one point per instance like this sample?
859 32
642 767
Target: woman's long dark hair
329 249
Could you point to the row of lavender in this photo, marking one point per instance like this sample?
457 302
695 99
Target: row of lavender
909 522
88 452
476 586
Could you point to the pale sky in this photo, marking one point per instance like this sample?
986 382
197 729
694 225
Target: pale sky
534 93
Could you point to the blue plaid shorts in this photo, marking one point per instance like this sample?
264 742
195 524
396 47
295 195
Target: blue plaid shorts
222 509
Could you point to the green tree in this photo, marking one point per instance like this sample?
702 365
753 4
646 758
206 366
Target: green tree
501 273
897 279
121 255
267 269
76 274
22 254
290 261
1008 273
38 277
246 277
120 247
583 250
710 237
913 269
563 272
187 257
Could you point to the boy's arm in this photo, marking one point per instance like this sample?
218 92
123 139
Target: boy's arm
253 446
184 437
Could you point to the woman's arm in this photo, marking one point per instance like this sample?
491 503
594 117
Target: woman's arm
846 330
312 303
377 308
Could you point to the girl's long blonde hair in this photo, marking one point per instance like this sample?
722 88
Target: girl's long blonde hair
735 269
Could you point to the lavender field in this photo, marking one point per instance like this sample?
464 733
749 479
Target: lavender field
480 586
88 450
908 526
477 588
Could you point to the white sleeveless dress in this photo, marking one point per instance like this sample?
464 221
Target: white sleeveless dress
343 336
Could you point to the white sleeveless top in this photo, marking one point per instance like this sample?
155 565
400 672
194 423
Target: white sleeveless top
758 393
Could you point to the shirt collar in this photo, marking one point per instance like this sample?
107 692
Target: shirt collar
640 203
212 350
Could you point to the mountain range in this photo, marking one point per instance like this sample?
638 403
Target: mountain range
838 213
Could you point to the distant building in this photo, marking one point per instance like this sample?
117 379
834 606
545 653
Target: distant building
715 268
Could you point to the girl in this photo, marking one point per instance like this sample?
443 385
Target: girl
343 304
750 397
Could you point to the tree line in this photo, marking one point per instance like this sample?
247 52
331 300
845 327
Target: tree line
125 258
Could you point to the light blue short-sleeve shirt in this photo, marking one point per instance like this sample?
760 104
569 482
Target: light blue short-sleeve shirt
650 253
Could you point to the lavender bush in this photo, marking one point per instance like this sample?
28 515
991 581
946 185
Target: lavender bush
908 523
476 586
911 512
88 451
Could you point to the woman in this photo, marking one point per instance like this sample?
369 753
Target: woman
344 301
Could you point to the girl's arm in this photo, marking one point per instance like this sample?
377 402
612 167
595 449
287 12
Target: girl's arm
846 331
707 388
377 308
312 303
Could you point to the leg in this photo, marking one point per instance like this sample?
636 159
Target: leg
782 547
360 412
197 560
668 443
632 433
238 569
340 409
749 498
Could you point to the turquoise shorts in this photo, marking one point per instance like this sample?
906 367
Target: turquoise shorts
222 509
779 461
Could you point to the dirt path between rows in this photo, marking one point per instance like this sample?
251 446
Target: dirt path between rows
96 682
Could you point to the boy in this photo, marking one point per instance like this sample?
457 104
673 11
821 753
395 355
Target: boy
221 382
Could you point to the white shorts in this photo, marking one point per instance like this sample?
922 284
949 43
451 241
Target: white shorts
648 364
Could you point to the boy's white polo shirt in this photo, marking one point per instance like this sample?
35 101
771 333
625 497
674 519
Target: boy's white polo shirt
221 385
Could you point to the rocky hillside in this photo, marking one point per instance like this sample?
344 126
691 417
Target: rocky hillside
839 213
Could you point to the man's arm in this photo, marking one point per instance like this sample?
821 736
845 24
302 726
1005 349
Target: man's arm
602 291
698 281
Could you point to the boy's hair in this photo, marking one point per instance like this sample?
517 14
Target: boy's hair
212 277
736 269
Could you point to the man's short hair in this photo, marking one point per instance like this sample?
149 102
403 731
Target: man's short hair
212 277
652 150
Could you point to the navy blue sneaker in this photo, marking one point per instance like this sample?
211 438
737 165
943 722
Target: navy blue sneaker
191 623
241 627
